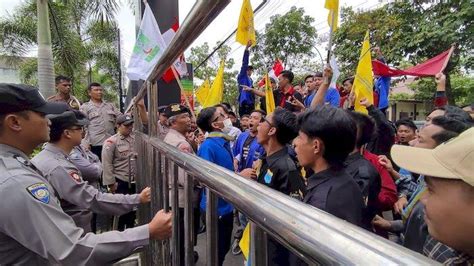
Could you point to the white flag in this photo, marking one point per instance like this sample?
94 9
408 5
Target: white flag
335 71
149 47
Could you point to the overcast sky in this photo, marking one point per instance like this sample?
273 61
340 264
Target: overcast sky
226 22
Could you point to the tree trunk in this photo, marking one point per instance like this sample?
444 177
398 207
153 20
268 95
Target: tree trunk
45 53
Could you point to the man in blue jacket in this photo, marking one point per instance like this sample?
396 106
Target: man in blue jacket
216 149
246 98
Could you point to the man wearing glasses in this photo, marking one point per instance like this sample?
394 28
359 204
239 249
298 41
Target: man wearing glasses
78 198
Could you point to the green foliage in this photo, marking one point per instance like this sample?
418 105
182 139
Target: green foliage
289 37
462 89
210 67
406 30
84 39
400 96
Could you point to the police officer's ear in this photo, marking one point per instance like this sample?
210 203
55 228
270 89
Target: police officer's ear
13 121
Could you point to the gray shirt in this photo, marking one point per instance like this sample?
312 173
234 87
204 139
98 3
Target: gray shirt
88 164
102 122
118 159
36 231
78 198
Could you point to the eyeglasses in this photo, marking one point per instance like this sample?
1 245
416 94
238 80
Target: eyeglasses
264 119
220 115
77 128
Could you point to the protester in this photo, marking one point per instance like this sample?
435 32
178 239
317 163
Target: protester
413 226
63 93
278 170
345 101
382 85
102 116
326 137
448 172
246 152
246 99
216 149
406 131
244 122
232 131
180 123
78 198
118 162
36 230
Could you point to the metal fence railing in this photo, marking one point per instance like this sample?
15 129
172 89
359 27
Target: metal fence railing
313 235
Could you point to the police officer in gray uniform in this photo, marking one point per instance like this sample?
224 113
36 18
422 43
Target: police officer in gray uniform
34 230
88 164
78 198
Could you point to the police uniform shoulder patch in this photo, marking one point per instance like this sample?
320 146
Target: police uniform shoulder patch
40 192
75 176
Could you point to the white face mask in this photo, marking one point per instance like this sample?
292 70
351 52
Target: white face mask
227 126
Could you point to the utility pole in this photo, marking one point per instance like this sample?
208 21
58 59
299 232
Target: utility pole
120 87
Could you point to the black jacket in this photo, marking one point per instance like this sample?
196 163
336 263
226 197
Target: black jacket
335 192
368 179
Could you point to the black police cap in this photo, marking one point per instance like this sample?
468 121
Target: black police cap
68 119
175 109
20 97
125 119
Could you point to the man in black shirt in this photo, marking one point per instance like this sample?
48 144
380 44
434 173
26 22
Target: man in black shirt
326 137
278 170
363 172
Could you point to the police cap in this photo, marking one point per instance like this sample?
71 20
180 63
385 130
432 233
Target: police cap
68 119
125 119
20 97
175 109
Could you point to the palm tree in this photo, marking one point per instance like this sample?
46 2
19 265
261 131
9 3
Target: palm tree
82 33
45 52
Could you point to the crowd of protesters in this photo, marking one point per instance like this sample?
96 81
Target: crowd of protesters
413 185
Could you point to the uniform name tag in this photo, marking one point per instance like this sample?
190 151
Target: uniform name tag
39 191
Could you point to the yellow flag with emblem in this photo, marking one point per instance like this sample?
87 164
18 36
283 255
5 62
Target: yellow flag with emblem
364 78
269 100
245 28
217 88
333 17
203 91
245 242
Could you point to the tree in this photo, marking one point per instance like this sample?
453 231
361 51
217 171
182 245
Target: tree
288 37
406 30
209 69
45 52
83 37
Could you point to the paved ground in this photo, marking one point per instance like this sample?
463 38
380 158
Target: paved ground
230 260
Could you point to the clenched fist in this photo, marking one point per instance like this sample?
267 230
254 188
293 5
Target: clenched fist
161 226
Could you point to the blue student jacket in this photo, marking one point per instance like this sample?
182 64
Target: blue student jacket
245 97
382 86
332 97
217 150
255 150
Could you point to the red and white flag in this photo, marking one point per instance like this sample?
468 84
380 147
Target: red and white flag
180 63
273 73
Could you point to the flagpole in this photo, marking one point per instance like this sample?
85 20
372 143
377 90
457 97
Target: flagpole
333 17
183 92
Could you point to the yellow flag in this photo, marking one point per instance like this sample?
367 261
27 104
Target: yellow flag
269 101
203 91
245 242
364 78
333 7
217 88
245 28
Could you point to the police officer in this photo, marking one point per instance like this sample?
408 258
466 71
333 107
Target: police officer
63 88
118 161
78 198
102 116
163 126
36 230
179 121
